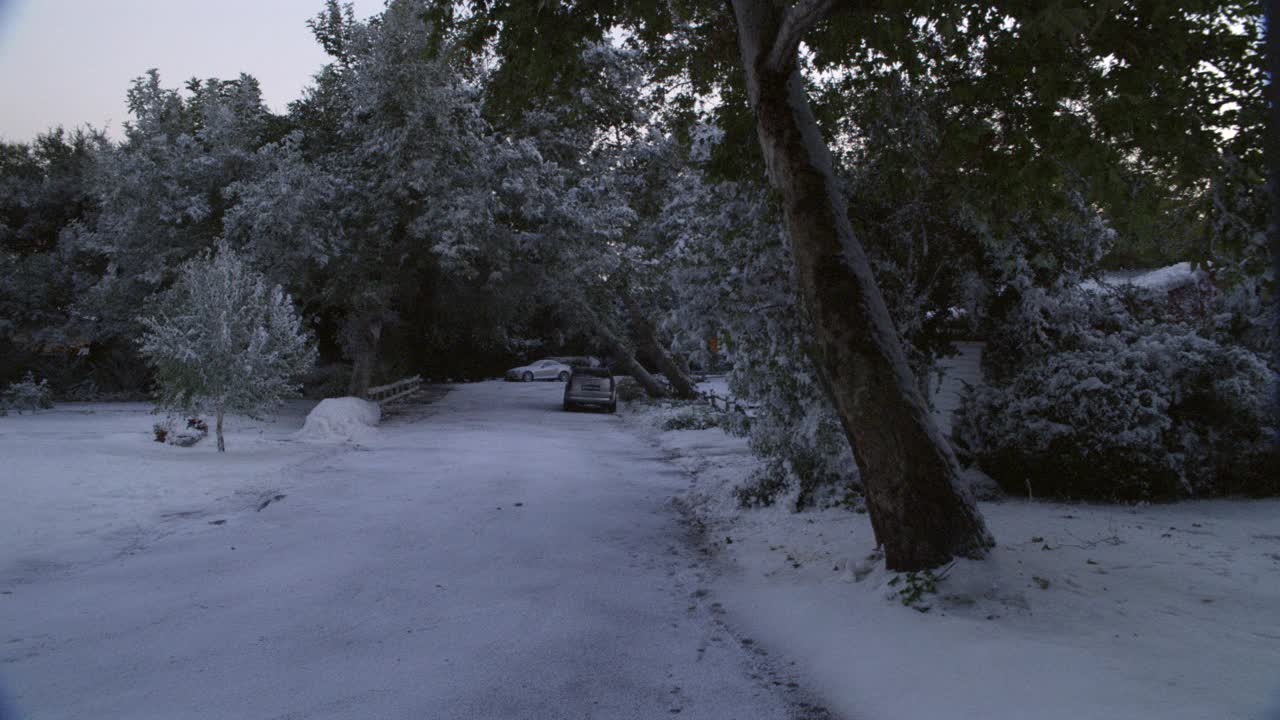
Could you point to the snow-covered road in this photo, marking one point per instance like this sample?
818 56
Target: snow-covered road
497 558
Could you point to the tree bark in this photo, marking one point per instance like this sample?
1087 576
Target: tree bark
920 513
633 367
582 312
364 356
648 335
222 445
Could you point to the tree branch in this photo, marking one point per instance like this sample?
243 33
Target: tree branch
796 23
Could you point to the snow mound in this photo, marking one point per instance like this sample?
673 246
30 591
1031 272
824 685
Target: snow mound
344 419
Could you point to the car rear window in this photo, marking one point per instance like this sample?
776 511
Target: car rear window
593 372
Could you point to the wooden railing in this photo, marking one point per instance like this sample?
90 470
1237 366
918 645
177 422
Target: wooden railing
384 394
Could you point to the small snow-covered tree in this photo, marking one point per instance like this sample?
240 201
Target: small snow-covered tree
224 340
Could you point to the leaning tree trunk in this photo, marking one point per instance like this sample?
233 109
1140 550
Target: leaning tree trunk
648 336
364 342
581 310
633 367
620 350
920 513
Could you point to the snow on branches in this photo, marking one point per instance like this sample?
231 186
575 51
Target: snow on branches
222 340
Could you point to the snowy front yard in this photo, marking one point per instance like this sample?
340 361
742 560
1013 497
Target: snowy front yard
492 558
1082 611
85 482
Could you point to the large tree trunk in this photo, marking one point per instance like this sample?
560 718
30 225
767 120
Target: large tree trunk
633 367
363 348
920 513
652 387
222 444
648 336
620 350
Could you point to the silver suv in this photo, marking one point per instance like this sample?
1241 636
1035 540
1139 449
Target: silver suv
590 386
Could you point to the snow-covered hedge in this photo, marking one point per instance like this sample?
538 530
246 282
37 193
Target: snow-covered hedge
28 395
1106 401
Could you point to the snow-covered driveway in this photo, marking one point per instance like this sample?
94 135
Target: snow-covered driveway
495 559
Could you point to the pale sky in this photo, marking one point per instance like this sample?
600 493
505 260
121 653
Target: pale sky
70 62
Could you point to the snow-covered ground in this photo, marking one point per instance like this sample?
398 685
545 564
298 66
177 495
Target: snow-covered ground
1083 611
491 557
85 481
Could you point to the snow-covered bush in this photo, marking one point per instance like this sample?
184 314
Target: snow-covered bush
27 394
1105 399
224 340
693 418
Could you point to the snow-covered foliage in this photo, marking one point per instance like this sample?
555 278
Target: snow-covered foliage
945 256
941 254
732 273
697 417
44 188
160 192
27 394
382 197
1103 395
221 339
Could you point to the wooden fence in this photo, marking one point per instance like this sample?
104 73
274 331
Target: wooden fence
385 394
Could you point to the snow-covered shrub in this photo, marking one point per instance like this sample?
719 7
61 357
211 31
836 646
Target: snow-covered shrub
799 438
27 394
732 272
693 418
1107 400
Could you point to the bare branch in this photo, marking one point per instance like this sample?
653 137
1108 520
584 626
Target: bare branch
796 23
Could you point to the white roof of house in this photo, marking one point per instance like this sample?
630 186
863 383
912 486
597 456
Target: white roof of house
1161 279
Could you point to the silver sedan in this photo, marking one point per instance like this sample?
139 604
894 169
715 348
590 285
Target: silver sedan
540 370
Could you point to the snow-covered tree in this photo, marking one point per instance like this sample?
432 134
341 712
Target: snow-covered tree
160 199
382 193
574 199
44 191
224 340
1042 87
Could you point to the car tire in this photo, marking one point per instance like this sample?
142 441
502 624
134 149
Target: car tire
568 406
613 406
527 377
563 376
